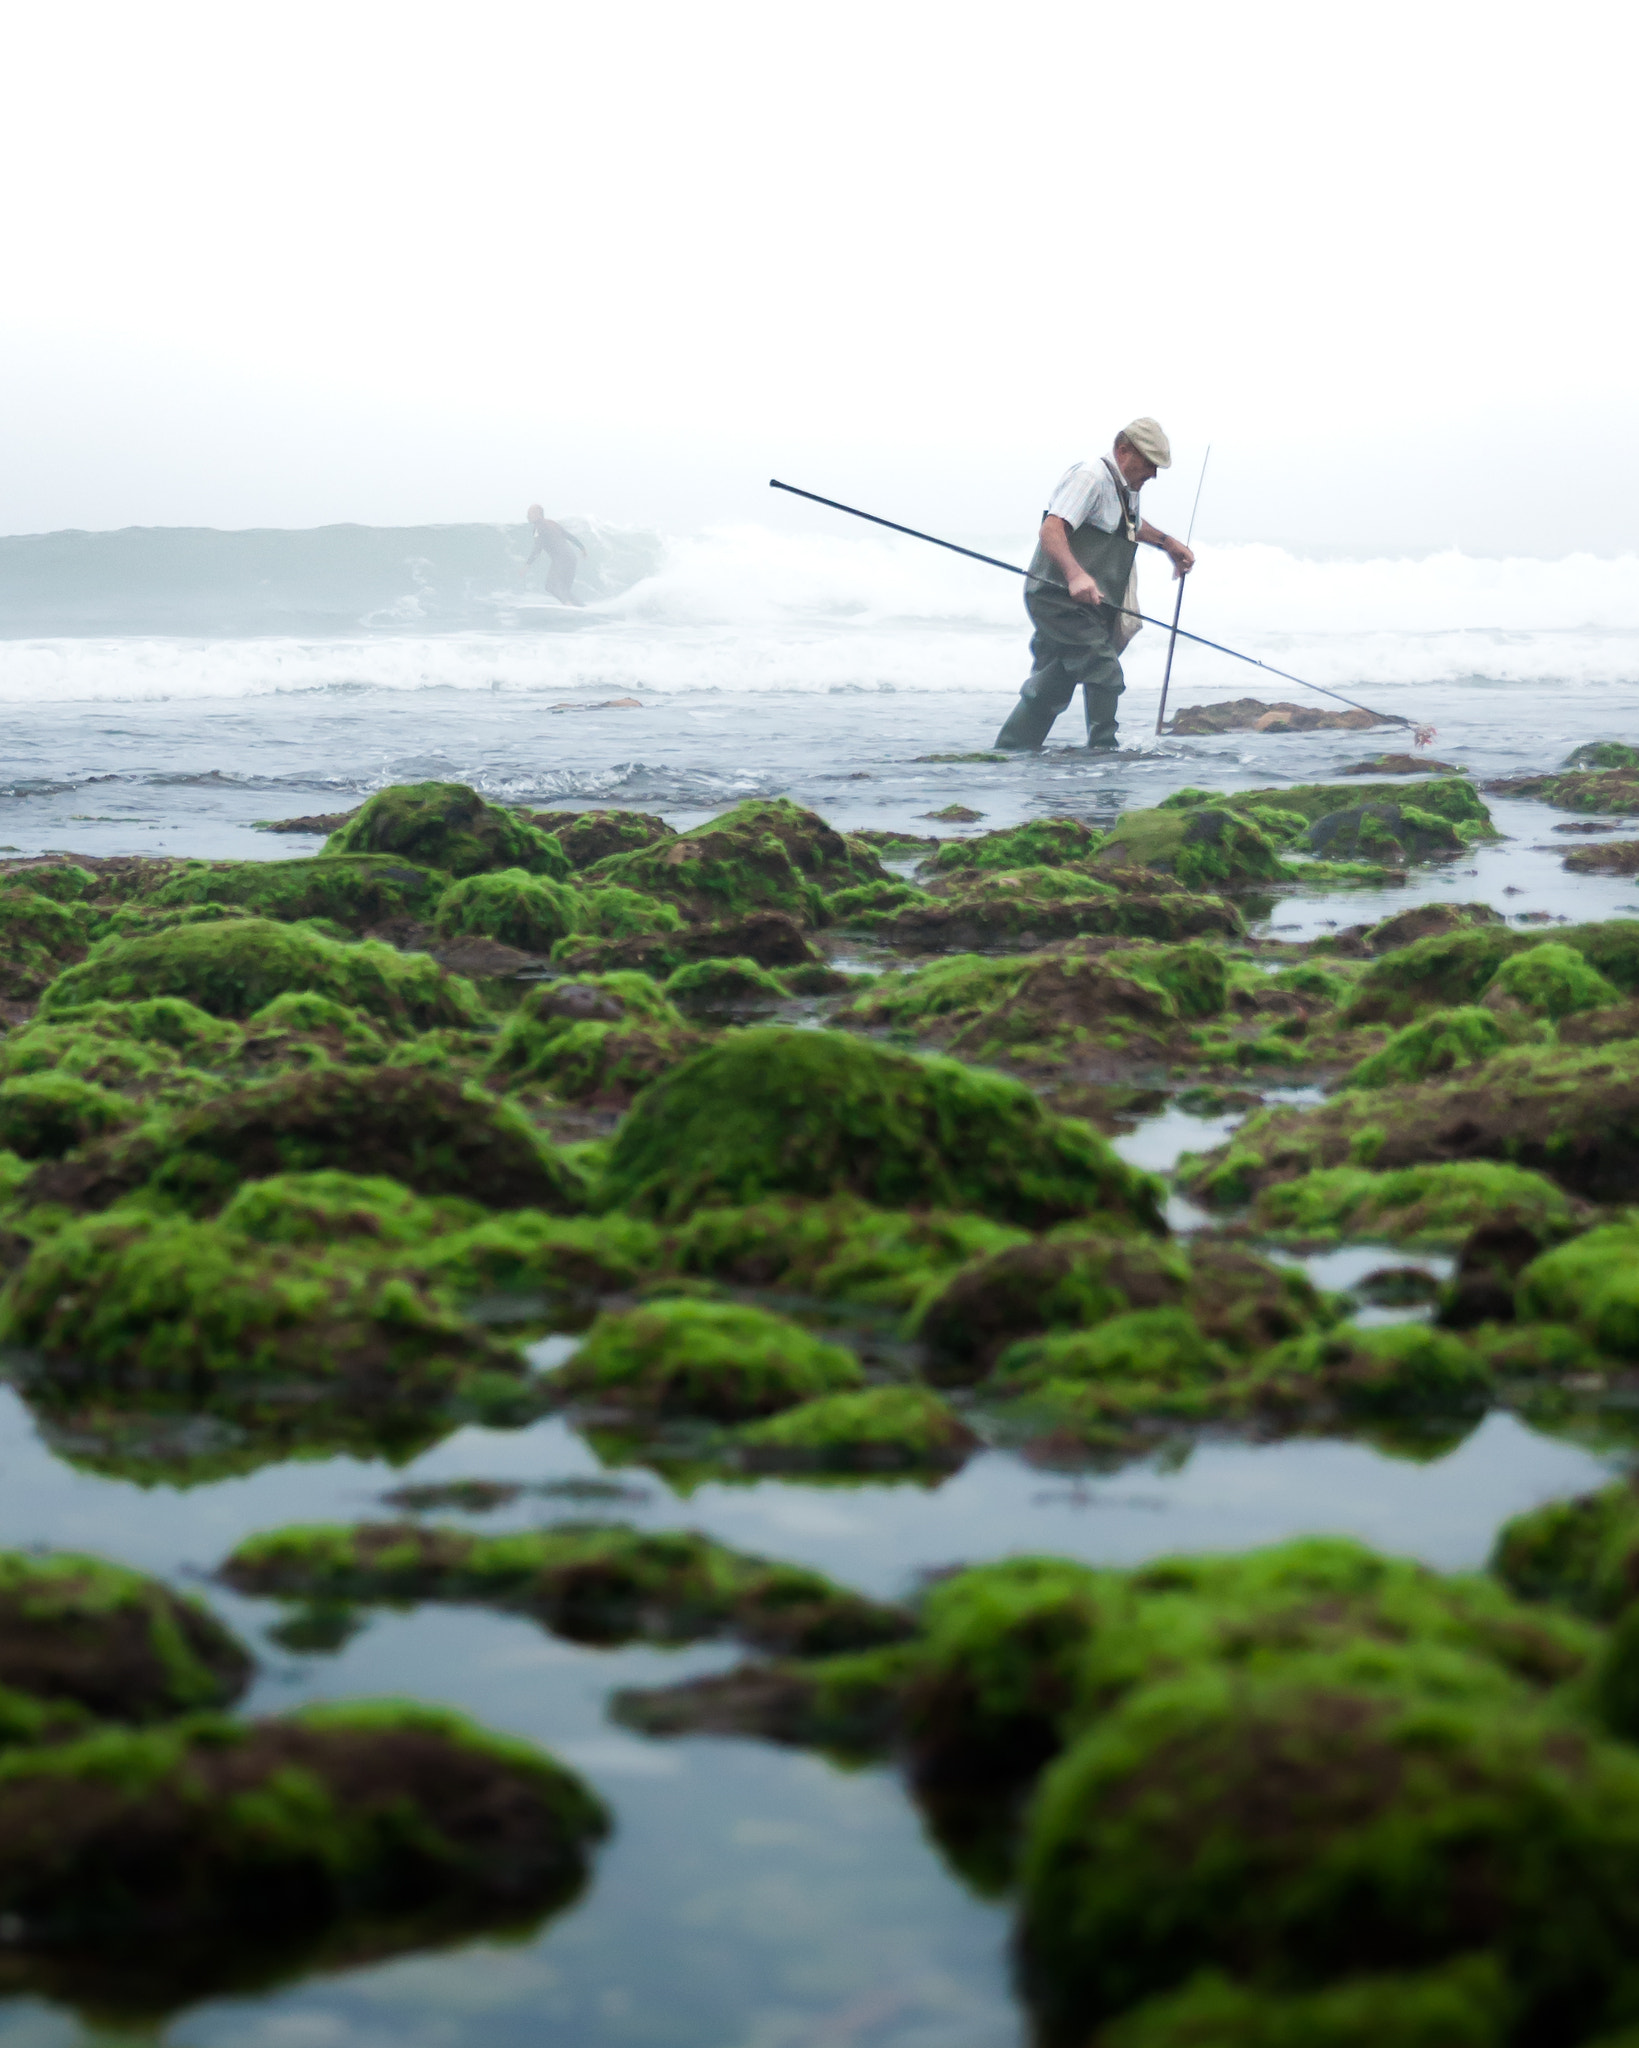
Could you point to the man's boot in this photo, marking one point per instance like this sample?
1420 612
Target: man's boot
1045 693
1102 706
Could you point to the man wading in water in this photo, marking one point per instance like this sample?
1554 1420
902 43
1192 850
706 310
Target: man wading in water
1089 538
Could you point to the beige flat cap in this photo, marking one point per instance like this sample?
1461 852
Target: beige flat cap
1146 436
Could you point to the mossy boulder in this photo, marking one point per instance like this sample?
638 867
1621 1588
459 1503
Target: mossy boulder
1392 834
1006 919
1551 981
1393 1371
355 891
410 1124
767 936
446 825
1436 1206
1072 1282
1427 920
44 1115
1205 848
562 1265
611 912
63 881
873 903
1570 1114
111 1641
1148 1353
590 836
1466 2004
1317 1829
714 984
1042 843
529 911
706 1358
38 938
772 1111
879 1429
1614 791
595 1584
768 854
1593 1283
1603 754
1439 1043
1582 1554
1451 969
841 1249
331 1206
148 1868
233 969
167 1313
592 1037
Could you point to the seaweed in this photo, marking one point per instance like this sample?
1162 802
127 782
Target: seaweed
703 1358
446 825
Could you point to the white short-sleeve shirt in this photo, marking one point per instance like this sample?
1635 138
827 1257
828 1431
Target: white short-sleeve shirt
1088 491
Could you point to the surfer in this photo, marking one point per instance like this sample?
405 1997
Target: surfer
555 543
1084 556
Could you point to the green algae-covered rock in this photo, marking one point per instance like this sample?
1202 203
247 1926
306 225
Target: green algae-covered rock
171 1313
1326 1829
234 968
873 903
307 1030
510 904
992 913
1550 981
565 1263
1071 1282
593 1583
881 1429
328 1207
356 891
446 825
1613 790
167 1023
1602 754
62 881
762 855
1418 1205
38 938
842 1249
1450 969
1153 1348
590 836
1393 1370
709 983
1043 843
1581 1553
707 1358
1465 2004
1593 1283
771 1111
1571 1114
592 1035
148 1868
1390 833
112 1641
1205 848
1437 1044
1049 1007
42 1116
410 1124
611 912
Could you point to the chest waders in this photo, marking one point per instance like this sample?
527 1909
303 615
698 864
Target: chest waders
1073 644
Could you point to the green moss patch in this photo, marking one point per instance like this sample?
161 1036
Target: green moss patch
1436 1206
707 984
592 1037
1440 1043
447 826
704 1358
233 969
356 891
762 855
592 1584
38 938
1205 848
529 911
880 1429
773 1111
1043 843
1550 981
44 1115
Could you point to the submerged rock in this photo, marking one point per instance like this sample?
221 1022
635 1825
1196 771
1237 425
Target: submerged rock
593 1584
448 826
775 1111
704 1358
233 969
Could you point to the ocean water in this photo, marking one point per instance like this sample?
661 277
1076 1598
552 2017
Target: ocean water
164 691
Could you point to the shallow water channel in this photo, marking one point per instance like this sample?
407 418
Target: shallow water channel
752 1897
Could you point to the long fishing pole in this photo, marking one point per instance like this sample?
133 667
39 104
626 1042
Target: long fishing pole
1013 569
1178 601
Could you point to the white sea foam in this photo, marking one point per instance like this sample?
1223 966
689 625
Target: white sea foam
748 608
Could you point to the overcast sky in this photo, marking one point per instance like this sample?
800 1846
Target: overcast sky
397 263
